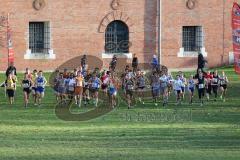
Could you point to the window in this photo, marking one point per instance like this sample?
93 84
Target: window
39 37
192 38
117 38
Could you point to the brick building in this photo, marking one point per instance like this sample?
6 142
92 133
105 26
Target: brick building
47 33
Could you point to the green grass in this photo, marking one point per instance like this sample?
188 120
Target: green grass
144 133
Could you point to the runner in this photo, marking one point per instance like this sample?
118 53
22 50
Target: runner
170 86
95 84
105 79
56 85
140 82
10 86
201 81
40 84
79 88
112 90
191 89
61 87
209 77
223 86
164 88
184 82
26 85
129 87
177 86
215 84
71 86
29 74
65 73
86 97
34 86
155 83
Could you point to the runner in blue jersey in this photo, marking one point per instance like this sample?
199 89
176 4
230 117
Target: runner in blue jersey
40 82
95 84
112 90
191 88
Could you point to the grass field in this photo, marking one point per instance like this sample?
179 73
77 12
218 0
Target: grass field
147 132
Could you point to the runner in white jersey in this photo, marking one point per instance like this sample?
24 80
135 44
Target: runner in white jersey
177 86
223 86
164 88
184 82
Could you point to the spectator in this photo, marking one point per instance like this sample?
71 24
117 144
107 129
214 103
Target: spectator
84 62
201 61
11 69
155 64
135 63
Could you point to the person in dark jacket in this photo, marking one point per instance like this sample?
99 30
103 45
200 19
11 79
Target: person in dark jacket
84 62
113 63
135 63
11 69
201 61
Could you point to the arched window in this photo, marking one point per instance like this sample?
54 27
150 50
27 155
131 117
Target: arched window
117 38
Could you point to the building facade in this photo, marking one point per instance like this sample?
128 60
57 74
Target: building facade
47 33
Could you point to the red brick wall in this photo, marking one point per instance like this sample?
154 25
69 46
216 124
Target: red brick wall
75 29
209 14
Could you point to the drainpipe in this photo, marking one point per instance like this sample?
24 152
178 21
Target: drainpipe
159 10
223 12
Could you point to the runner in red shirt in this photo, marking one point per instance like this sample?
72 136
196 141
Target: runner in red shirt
209 77
105 81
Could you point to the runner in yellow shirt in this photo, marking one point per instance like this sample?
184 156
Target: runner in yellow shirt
11 87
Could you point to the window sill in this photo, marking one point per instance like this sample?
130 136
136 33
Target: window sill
183 54
119 55
30 55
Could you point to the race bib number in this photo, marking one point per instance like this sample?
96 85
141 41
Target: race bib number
25 85
130 87
95 85
71 88
40 84
201 86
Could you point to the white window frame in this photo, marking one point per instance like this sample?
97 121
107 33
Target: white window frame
49 55
119 55
183 53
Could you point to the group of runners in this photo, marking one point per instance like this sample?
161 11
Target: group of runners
33 83
83 85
